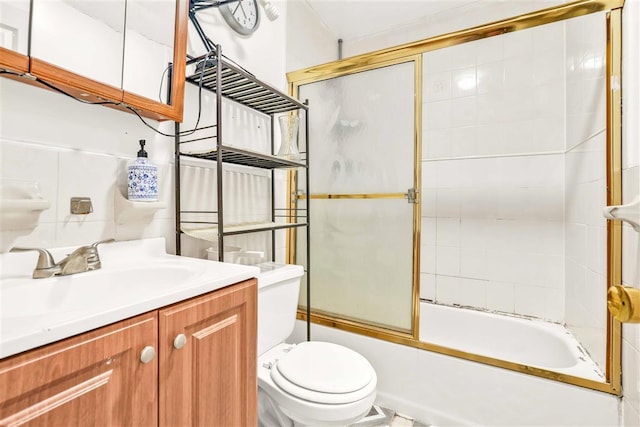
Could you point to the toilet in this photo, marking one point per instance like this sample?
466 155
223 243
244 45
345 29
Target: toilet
313 383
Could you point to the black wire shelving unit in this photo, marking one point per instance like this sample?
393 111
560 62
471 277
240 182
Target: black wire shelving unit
214 73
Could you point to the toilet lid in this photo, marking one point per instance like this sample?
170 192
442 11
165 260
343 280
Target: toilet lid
326 368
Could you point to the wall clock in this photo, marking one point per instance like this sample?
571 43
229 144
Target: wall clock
243 15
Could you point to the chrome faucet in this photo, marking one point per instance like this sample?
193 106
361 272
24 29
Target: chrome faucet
85 258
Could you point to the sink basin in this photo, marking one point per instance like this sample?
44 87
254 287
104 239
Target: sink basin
58 295
136 277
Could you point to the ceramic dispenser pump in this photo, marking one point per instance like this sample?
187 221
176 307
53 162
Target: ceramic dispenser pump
142 183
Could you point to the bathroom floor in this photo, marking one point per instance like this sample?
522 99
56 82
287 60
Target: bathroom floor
383 417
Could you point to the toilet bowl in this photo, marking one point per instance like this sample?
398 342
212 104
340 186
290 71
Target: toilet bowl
312 383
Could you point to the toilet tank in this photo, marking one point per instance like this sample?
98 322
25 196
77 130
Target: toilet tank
278 289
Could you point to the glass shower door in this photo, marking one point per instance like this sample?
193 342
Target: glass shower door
362 169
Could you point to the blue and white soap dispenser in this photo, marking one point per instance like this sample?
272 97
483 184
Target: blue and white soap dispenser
143 178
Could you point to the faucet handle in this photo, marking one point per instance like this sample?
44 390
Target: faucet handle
93 248
93 257
95 245
45 259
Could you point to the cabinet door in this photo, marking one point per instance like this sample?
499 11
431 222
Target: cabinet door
92 379
14 35
156 32
83 48
78 44
211 380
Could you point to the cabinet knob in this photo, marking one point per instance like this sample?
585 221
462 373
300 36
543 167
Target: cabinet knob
147 354
179 341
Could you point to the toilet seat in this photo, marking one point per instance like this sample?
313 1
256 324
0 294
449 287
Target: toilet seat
324 372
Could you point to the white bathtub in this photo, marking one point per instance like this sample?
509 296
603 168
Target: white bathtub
443 390
525 341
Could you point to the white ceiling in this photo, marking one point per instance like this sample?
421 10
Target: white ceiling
352 19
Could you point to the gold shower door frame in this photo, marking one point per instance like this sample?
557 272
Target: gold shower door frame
413 51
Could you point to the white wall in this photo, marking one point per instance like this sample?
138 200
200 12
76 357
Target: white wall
262 53
72 149
309 42
449 20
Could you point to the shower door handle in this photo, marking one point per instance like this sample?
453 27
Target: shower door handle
623 303
412 196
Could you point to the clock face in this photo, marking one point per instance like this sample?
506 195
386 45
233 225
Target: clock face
242 15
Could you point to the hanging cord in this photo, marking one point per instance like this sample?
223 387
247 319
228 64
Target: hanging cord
120 104
162 80
49 85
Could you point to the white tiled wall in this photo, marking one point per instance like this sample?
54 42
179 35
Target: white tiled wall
631 331
493 174
585 184
631 191
514 186
72 149
500 95
491 237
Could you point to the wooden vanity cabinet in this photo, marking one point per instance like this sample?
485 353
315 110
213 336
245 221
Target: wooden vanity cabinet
211 380
98 378
91 379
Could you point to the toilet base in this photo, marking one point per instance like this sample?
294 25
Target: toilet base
271 415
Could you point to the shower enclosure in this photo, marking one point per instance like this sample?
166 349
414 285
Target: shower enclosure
507 136
364 179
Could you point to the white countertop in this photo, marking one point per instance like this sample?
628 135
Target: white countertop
137 276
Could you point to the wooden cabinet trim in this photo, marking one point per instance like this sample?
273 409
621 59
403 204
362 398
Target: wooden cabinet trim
179 59
74 84
53 402
14 61
150 108
61 346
